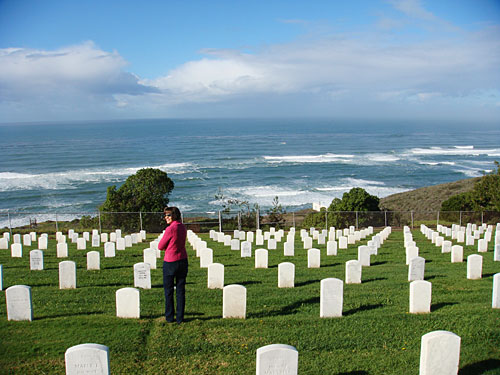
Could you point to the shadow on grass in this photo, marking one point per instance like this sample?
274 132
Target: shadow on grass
115 267
287 310
480 367
488 275
362 308
378 263
248 282
375 279
303 283
68 315
353 373
438 306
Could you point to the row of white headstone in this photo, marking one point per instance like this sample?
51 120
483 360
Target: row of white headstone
439 355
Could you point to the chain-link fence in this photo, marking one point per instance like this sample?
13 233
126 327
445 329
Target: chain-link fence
203 222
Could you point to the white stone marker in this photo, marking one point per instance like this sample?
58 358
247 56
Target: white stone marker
104 238
474 267
27 240
261 258
128 303
457 254
352 272
206 257
81 244
482 246
120 243
439 353
87 359
62 250
286 275
416 269
331 247
109 250
4 243
277 359
289 249
496 255
16 250
142 275
86 235
420 297
235 244
246 249
143 234
342 242
271 244
234 301
411 252
364 253
215 277
308 243
36 260
259 239
128 240
112 237
42 243
496 291
331 298
149 256
446 247
96 241
19 303
313 258
93 260
135 238
67 274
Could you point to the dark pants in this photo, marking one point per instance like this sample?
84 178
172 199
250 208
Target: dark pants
178 271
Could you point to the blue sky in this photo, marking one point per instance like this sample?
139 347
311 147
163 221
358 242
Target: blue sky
83 60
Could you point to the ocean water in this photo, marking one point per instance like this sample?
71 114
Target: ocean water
65 168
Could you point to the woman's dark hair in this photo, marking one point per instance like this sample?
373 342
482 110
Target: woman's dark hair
174 211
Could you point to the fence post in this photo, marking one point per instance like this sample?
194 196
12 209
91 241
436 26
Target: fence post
239 220
356 220
220 221
293 219
385 218
100 225
411 219
140 218
10 225
482 218
460 218
257 219
57 225
326 220
437 223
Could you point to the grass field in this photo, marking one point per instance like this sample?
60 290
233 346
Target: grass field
376 335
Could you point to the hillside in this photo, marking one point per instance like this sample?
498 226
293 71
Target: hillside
427 198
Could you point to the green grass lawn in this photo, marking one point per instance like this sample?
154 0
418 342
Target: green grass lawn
376 335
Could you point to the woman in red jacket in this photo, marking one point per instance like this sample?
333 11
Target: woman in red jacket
175 264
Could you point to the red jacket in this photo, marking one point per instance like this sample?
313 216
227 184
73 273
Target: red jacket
174 242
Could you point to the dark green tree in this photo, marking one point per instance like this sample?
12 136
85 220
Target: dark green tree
276 214
145 191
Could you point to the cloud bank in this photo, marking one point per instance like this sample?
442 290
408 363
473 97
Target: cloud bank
446 73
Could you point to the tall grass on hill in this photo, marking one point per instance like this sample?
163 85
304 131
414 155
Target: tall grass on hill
376 334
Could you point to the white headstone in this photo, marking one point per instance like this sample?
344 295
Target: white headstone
81 244
446 247
259 239
67 274
87 359
496 291
411 252
104 237
261 258
482 246
206 257
128 240
271 244
96 241
234 301
474 267
352 272
149 256
42 243
19 303
331 298
496 255
308 243
457 254
109 250
313 258
439 353
27 240
93 260
4 243
286 275
120 243
364 253
142 275
16 250
112 237
215 279
235 244
420 297
86 235
277 359
143 234
128 303
62 250
36 260
416 269
289 249
246 249
331 247
342 242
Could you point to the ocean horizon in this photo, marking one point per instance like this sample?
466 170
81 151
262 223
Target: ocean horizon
66 167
